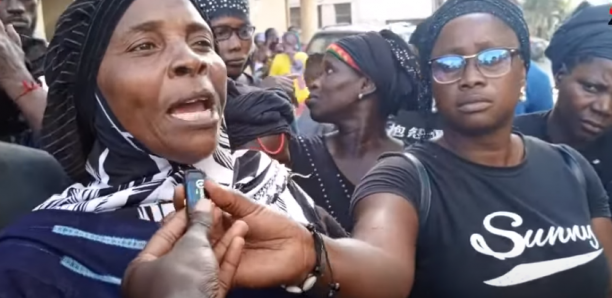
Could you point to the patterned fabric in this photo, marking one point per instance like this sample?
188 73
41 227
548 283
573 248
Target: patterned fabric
221 8
127 175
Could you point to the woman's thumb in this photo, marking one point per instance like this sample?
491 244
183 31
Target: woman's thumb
231 201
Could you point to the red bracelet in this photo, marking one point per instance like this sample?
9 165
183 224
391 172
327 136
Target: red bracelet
27 88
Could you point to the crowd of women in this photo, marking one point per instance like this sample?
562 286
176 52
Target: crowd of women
141 91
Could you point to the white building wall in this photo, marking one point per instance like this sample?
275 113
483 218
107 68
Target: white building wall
374 11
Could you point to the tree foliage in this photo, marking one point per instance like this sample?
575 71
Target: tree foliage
544 16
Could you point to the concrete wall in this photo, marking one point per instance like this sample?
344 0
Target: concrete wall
374 12
269 14
52 9
264 14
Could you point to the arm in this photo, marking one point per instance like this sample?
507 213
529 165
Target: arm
599 209
31 104
380 259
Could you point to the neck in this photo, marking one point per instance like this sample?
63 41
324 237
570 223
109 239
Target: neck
355 137
491 149
558 131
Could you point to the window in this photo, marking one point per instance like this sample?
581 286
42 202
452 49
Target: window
343 13
295 17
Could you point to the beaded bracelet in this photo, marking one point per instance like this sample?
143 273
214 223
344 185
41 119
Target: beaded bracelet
317 272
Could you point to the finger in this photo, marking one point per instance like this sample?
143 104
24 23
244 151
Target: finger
168 218
200 223
218 230
293 76
166 237
238 229
231 201
229 266
13 35
179 197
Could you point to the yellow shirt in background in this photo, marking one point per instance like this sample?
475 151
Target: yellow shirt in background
281 66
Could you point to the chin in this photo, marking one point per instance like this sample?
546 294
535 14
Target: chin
194 149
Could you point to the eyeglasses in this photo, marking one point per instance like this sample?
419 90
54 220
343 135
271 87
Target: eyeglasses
492 63
225 32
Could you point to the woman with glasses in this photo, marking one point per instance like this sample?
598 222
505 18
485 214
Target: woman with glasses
499 214
581 56
234 34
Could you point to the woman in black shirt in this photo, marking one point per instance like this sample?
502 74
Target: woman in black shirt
510 215
581 56
366 78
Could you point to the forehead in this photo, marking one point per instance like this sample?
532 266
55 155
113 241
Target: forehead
178 12
471 33
596 67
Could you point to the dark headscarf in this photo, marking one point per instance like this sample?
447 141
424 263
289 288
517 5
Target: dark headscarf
419 35
258 114
585 34
389 62
508 12
225 8
82 35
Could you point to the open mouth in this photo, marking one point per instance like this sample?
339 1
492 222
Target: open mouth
197 108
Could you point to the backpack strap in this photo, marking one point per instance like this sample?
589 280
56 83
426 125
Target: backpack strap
425 199
573 164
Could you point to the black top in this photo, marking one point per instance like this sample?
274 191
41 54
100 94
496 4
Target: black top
598 153
522 231
410 126
319 176
28 177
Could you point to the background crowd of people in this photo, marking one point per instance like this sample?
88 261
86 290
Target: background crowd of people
380 168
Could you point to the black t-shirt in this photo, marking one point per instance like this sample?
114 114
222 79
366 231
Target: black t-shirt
598 153
410 126
521 231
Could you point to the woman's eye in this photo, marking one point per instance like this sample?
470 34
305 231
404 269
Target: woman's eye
203 43
146 46
589 88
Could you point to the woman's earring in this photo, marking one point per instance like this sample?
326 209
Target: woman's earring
360 96
523 94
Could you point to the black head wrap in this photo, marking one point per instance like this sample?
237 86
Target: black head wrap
226 8
508 12
82 35
258 114
387 60
419 35
585 34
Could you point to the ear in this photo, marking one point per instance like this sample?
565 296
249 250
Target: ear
559 76
367 87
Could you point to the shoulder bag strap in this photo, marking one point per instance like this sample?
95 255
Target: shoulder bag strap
425 199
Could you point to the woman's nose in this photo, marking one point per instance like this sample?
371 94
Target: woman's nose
187 63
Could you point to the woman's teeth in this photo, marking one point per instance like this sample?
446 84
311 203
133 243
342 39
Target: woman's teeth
194 116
